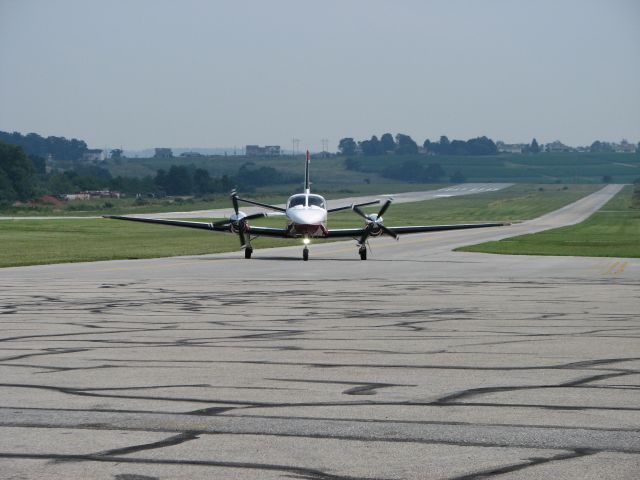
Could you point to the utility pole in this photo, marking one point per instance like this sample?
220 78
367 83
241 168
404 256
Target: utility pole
325 146
295 143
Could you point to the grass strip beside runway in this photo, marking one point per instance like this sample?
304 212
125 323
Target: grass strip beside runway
613 231
34 242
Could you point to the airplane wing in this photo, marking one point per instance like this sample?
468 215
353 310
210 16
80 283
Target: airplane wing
259 231
268 232
175 223
440 228
350 207
357 232
264 205
344 232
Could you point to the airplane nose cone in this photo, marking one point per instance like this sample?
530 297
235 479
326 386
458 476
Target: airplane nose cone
307 216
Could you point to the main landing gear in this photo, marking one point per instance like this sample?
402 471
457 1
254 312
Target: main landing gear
363 252
247 252
305 254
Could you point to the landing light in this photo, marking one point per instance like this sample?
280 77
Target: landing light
306 241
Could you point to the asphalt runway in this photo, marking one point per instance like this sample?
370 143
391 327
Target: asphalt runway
418 363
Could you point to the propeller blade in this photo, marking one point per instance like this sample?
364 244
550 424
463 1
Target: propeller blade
360 212
243 240
367 231
384 208
255 215
234 200
389 232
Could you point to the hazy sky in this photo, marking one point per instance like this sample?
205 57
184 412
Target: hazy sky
145 73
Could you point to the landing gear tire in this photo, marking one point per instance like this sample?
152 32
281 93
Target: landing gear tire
248 252
305 254
363 253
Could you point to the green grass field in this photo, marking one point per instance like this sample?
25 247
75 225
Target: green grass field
613 231
30 242
273 195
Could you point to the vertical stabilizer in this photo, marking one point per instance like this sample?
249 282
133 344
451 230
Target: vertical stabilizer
307 184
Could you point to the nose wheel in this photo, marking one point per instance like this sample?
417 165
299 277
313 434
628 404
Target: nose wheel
363 252
247 252
305 254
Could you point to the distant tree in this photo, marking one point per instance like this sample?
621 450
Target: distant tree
458 177
347 146
202 181
433 173
606 179
601 147
412 171
179 180
481 146
60 183
371 147
388 143
250 176
459 147
34 144
16 174
7 193
39 164
405 145
444 145
116 153
534 147
160 180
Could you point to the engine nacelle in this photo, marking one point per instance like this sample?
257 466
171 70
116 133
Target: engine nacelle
236 217
235 220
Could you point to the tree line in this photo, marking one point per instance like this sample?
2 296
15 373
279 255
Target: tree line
403 144
24 177
59 147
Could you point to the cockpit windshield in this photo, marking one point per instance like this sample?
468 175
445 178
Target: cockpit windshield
316 201
297 200
304 200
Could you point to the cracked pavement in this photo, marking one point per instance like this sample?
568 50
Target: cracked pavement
418 363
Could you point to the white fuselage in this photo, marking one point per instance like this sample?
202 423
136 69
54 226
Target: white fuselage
307 214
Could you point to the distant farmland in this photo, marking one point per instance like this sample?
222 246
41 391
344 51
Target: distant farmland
326 172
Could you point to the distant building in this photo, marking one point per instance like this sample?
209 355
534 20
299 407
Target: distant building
557 147
163 153
91 194
92 155
266 151
510 147
624 147
191 154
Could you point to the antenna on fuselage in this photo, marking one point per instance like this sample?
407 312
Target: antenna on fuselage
307 184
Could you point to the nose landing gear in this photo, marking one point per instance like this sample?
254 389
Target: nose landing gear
247 252
305 254
363 252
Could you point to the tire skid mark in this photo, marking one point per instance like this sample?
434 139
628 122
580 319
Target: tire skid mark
530 462
296 472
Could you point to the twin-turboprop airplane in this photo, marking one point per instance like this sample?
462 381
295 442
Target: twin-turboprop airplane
306 219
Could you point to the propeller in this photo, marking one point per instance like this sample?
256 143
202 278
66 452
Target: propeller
374 223
238 220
